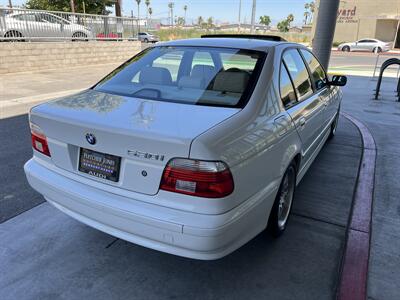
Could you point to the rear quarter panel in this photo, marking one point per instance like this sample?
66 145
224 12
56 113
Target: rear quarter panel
251 144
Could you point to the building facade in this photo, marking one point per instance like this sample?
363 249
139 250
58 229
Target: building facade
359 19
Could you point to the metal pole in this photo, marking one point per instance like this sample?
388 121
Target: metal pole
358 28
325 30
240 11
10 4
253 16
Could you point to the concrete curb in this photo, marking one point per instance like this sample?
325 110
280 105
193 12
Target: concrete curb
354 272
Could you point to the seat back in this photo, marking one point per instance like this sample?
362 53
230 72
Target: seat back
231 82
155 75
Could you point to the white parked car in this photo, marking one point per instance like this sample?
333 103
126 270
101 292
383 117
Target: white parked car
40 25
191 147
147 37
369 45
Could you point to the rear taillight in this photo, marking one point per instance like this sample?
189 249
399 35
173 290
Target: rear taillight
197 178
39 141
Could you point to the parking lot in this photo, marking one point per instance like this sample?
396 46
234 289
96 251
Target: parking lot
48 255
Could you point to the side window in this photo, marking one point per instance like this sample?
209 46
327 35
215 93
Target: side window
171 61
299 73
288 95
25 17
317 72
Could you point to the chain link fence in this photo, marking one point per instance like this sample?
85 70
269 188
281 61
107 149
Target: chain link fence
18 24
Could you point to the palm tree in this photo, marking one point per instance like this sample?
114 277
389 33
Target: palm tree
138 20
185 7
312 9
150 10
210 23
171 9
306 14
200 21
147 3
265 20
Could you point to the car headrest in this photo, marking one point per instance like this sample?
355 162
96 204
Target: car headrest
203 71
191 82
231 82
155 75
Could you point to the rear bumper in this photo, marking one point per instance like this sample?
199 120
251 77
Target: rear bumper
153 226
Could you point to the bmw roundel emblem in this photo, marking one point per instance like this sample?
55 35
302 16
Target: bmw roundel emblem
91 139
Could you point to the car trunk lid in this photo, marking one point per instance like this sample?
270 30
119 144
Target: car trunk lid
145 134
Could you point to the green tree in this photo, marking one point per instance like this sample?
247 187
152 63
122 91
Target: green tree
91 6
171 11
147 3
306 15
180 21
265 20
200 21
185 7
210 23
150 10
283 26
138 16
312 10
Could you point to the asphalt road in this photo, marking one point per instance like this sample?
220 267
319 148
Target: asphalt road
16 195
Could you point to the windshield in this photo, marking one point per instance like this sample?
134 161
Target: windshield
190 75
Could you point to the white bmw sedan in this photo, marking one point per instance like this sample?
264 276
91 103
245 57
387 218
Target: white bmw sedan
191 147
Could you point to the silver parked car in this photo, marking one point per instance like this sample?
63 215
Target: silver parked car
147 37
370 45
41 25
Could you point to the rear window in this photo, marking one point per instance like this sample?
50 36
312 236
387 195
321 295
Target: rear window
189 75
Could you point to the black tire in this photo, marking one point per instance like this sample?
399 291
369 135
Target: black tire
146 40
334 125
346 49
377 50
14 34
276 226
79 36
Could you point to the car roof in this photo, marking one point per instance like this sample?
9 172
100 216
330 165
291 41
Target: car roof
238 43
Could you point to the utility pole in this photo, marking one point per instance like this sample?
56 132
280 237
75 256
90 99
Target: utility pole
240 11
325 30
253 16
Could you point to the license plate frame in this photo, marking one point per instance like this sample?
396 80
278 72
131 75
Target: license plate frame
100 165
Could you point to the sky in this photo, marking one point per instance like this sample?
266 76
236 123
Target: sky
221 10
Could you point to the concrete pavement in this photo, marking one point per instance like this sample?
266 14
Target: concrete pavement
383 120
55 256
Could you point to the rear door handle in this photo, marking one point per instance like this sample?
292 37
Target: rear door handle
302 122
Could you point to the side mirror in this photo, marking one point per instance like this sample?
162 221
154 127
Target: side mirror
338 80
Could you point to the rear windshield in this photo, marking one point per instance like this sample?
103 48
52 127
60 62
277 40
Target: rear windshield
190 75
